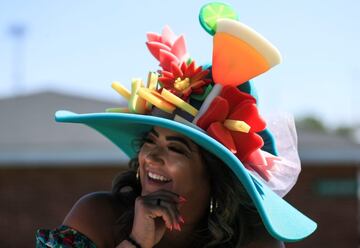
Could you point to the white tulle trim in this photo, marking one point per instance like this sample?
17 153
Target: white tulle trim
285 169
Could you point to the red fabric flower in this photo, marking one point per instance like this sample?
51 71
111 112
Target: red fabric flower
232 104
185 79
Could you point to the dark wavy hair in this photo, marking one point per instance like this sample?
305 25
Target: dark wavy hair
231 223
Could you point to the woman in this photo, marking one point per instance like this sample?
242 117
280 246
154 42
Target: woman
204 170
168 203
172 201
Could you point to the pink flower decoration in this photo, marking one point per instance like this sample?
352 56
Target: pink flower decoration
167 48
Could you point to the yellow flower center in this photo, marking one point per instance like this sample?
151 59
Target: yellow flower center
181 84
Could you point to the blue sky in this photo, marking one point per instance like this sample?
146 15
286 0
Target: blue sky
82 46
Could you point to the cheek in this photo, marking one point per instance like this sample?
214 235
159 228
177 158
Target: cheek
144 151
179 172
141 158
188 173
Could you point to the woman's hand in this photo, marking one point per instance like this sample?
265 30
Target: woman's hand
153 214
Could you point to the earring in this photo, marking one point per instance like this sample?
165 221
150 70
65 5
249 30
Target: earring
137 175
213 205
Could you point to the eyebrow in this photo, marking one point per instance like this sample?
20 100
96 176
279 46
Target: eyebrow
154 133
179 139
173 138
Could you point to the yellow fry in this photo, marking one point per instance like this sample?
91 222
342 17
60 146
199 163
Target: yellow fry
234 125
121 90
136 103
152 81
118 110
177 101
153 98
151 84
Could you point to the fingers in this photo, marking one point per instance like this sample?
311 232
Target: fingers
165 208
166 214
174 213
167 195
164 204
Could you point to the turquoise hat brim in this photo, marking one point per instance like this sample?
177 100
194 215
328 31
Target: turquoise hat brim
283 221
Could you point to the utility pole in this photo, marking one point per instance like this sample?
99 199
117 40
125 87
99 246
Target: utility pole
17 33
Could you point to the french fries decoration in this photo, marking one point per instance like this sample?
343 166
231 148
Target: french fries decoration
155 99
141 99
178 102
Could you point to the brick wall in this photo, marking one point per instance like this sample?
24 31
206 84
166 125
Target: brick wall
41 197
336 213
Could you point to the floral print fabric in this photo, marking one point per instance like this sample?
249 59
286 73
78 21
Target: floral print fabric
62 237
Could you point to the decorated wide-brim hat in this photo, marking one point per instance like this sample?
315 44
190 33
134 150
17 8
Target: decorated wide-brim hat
215 106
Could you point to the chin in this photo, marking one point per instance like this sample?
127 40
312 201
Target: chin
149 186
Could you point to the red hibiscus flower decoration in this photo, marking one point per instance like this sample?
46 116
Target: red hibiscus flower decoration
233 119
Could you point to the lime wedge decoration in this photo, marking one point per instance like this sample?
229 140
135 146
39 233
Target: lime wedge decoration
211 12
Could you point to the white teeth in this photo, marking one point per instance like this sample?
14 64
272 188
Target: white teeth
158 177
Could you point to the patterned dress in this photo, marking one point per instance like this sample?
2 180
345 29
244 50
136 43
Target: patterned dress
62 237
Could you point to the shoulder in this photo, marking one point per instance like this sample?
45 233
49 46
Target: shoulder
94 216
101 203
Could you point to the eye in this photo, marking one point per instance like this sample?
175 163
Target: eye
177 150
148 140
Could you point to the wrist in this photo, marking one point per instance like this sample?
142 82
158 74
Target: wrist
133 241
125 244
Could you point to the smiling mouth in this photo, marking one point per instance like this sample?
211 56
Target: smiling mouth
157 178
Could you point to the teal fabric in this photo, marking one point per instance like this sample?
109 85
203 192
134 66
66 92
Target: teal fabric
248 87
283 221
269 142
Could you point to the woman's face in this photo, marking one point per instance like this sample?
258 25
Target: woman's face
171 161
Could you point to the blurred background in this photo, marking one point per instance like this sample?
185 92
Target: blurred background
65 54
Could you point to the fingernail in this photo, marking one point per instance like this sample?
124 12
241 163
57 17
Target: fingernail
181 219
177 227
182 199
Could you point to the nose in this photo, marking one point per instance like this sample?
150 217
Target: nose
156 156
